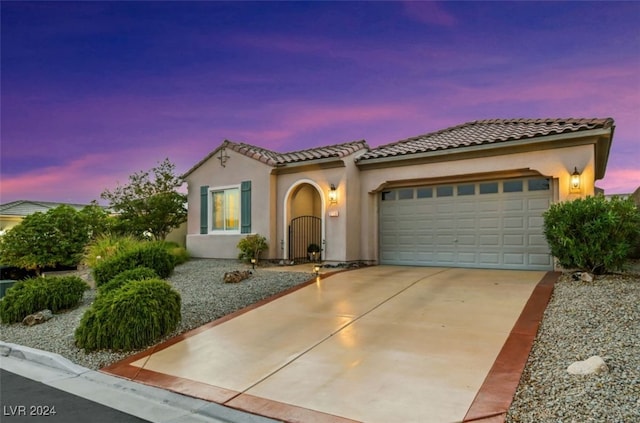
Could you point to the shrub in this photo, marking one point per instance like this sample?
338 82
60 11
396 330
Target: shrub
36 294
251 246
137 274
179 254
592 234
132 317
51 239
106 246
149 254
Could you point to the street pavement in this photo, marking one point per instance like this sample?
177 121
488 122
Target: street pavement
23 400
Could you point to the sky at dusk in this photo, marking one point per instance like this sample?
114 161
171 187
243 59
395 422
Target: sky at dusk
92 92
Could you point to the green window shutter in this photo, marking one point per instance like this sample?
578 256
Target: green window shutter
204 209
245 207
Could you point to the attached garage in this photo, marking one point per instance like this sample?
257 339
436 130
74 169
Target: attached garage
487 224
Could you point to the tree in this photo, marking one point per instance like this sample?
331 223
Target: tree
150 202
54 238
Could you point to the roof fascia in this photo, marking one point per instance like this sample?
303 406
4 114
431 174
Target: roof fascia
594 136
307 165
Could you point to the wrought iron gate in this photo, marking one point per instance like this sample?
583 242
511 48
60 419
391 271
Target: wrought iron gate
304 231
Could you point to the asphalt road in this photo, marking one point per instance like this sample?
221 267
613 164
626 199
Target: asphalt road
23 400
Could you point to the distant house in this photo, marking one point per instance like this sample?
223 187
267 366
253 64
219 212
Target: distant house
12 213
471 195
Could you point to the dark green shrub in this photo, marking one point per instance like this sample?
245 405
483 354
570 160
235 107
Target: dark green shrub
36 294
592 234
137 274
132 317
149 254
252 246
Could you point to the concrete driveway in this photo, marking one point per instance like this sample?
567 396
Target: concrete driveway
378 344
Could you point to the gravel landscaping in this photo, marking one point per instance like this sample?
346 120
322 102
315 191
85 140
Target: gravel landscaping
204 298
582 320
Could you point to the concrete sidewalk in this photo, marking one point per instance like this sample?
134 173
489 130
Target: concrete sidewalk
146 402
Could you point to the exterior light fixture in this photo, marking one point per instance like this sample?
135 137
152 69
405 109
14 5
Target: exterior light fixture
316 269
575 181
223 157
333 194
253 262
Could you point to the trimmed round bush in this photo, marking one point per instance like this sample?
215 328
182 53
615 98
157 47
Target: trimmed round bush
137 274
593 234
129 318
152 255
36 294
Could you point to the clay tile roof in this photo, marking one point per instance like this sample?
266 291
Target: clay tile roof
485 132
273 158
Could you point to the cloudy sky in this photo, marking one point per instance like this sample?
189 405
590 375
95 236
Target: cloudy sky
92 92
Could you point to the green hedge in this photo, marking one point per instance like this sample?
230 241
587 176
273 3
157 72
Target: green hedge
137 274
132 317
153 255
592 234
36 294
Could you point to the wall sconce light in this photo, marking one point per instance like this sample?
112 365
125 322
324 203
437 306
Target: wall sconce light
575 181
333 194
223 157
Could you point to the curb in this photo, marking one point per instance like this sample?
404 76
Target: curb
44 358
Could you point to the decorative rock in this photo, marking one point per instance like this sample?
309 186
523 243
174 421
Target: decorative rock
592 365
236 276
586 277
37 318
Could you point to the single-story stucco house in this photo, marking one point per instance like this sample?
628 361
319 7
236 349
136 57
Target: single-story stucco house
471 195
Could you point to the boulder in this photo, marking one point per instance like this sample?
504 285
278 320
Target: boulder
37 318
236 276
592 365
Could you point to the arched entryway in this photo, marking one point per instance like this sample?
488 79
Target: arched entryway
304 222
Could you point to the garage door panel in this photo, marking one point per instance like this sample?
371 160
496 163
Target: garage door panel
513 223
515 204
500 226
467 258
489 258
540 259
488 240
514 258
538 204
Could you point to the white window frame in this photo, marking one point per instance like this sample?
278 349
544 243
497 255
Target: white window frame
210 211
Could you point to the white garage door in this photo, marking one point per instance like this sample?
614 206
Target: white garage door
493 224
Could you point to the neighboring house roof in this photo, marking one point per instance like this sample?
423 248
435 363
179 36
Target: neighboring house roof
480 132
26 207
275 159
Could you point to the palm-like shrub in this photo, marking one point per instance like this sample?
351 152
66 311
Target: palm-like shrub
592 234
131 317
106 246
36 294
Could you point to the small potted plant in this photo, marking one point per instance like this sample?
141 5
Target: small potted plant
314 252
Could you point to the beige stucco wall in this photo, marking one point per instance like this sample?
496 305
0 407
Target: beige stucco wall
557 164
238 168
